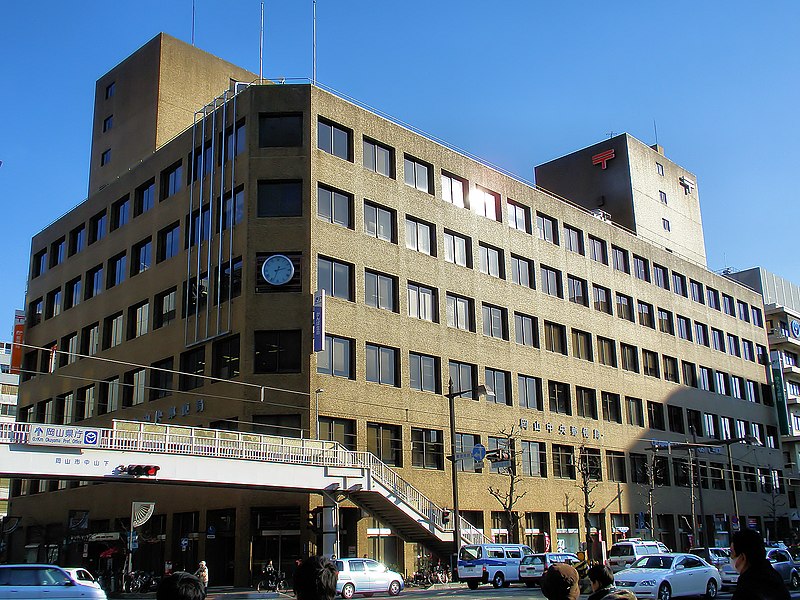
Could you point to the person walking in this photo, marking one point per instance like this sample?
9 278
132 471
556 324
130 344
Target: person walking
202 574
602 582
758 580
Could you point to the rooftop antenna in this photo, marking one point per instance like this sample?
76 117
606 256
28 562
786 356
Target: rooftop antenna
610 134
655 129
261 48
314 53
192 22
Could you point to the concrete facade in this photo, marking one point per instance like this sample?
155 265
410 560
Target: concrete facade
523 312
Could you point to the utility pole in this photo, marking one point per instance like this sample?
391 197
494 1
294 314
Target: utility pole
703 523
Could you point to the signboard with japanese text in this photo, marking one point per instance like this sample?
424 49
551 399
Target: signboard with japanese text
318 321
64 436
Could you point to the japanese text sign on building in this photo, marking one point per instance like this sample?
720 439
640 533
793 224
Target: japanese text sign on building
58 435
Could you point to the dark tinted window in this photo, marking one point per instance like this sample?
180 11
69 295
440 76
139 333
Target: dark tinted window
280 131
280 198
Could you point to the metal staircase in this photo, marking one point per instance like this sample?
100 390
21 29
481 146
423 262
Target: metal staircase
198 456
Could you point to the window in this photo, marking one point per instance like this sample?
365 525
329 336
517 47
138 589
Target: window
665 324
171 180
57 250
417 174
386 442
635 411
615 466
758 320
547 228
145 198
232 208
705 380
335 278
225 358
379 222
660 169
97 227
630 357
737 387
621 260
576 290
684 328
586 400
661 276
460 313
94 282
422 303
77 239
701 333
280 130
105 157
530 392
497 390
711 425
560 401
134 389
138 320
491 260
598 250
728 305
650 363
141 256
113 332
193 367
69 349
453 188
382 364
108 123
424 372
486 203
338 430
464 378
733 345
696 289
169 242
110 89
582 345
606 351
573 239
662 196
612 407
165 308
646 314
420 236
591 465
555 337
712 296
161 378
625 307
718 339
639 468
519 216
602 299
551 282
278 351
641 268
534 459
457 249
35 312
116 270
522 271
675 418
723 383
689 374
427 448
379 290
337 358
334 139
747 350
335 207
494 321
235 140
743 311
72 293
279 199
198 224
563 461
665 224
378 158
670 369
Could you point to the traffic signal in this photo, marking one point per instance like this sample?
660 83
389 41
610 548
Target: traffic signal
138 470
445 517
315 520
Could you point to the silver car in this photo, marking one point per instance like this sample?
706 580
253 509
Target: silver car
366 577
50 582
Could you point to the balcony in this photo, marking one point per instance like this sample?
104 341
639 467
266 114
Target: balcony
778 336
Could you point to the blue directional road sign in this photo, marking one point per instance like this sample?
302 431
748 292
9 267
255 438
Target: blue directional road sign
479 452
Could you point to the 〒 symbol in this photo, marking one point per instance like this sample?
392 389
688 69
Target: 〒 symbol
603 158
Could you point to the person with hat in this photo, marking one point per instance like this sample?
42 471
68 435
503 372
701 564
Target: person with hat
202 574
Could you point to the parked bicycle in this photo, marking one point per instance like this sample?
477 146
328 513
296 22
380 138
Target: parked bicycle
140 582
272 581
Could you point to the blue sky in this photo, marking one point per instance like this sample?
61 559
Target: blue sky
516 82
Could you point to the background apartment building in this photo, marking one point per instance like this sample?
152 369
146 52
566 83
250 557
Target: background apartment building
184 284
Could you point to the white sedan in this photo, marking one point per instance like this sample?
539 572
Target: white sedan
665 576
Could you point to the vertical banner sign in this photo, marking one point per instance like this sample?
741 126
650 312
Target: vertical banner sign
318 321
16 347
779 389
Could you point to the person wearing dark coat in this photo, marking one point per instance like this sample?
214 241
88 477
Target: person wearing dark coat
602 580
758 580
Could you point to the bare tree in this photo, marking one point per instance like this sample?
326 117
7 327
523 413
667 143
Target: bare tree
653 475
587 471
775 502
509 496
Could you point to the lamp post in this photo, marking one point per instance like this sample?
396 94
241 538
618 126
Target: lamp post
317 392
451 396
696 465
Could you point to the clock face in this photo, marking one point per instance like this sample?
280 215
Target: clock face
277 269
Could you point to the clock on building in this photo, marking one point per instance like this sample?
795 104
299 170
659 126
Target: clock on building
277 269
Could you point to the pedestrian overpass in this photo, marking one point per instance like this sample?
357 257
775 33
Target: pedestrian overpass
213 457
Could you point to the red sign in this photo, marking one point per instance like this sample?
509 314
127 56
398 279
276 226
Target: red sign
16 347
603 158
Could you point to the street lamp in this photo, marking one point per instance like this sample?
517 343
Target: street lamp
451 396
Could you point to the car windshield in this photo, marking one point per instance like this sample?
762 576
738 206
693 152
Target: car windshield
623 550
653 562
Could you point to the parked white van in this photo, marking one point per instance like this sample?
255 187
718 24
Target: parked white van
623 553
498 563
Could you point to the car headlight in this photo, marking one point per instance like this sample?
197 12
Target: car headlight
648 583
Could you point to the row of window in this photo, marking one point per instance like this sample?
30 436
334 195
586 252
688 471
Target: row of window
456 190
